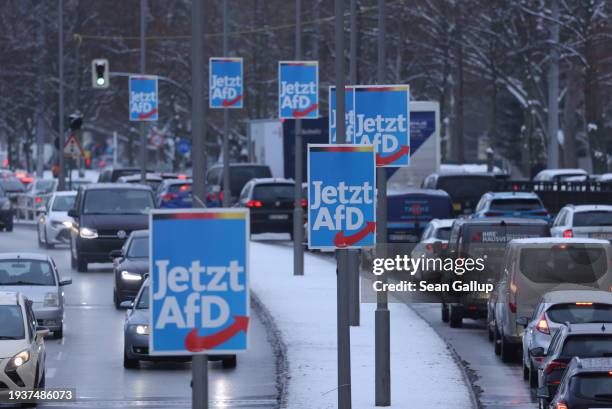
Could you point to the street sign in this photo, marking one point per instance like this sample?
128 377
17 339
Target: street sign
143 98
72 147
226 85
199 291
298 89
378 115
341 196
183 146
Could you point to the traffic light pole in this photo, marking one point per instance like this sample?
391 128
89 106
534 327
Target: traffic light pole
61 130
143 128
298 212
227 192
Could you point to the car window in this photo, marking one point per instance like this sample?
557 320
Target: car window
143 299
592 386
117 201
12 322
510 205
594 218
11 184
587 346
26 272
443 233
271 192
559 219
139 247
63 203
577 313
245 192
44 185
31 320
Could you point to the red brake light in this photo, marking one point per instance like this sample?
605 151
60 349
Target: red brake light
561 405
512 307
184 188
584 304
254 203
38 200
543 326
444 246
168 196
304 203
429 247
568 234
555 365
182 177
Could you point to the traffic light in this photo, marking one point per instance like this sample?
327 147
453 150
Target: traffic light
99 73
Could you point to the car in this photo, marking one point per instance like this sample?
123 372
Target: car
6 212
22 345
464 189
586 383
270 202
240 174
558 175
592 340
410 210
12 188
510 204
593 221
54 224
110 175
136 330
175 194
130 264
554 310
35 197
481 239
104 215
433 244
37 277
533 267
152 179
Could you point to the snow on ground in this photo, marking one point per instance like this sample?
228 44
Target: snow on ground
423 371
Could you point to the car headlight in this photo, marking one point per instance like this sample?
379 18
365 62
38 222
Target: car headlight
127 276
18 360
140 329
51 300
87 233
55 223
67 223
6 205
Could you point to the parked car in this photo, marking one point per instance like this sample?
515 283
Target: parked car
22 344
240 174
104 215
270 203
410 210
586 383
464 189
36 276
481 239
511 204
54 224
130 264
433 244
175 194
593 221
6 212
555 309
573 340
533 267
558 175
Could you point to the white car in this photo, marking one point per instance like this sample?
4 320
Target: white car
559 175
592 221
54 223
433 244
22 345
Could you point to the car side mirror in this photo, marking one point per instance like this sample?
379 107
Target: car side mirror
538 352
522 321
65 281
542 393
118 253
126 304
73 213
42 331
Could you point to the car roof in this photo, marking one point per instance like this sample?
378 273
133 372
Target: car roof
417 191
572 296
565 171
98 186
24 256
65 193
258 181
442 222
9 298
558 240
512 195
150 176
507 220
582 365
591 207
220 165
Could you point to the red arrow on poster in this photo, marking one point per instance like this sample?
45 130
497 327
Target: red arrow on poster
72 147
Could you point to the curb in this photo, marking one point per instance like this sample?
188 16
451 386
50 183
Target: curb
278 346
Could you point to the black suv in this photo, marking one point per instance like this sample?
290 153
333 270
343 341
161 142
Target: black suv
104 216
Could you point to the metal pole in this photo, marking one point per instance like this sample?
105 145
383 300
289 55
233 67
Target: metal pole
143 51
553 89
199 365
227 193
298 212
60 62
342 256
354 255
381 316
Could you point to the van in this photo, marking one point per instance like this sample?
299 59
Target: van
464 189
534 267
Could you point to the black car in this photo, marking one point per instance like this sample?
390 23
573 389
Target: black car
270 201
586 384
104 216
110 175
130 264
464 189
12 188
240 174
6 212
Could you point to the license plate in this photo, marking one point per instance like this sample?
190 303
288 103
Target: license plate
278 216
402 237
605 236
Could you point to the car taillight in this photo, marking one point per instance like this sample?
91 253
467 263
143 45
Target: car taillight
584 304
512 307
38 199
542 325
555 365
304 203
444 246
513 289
168 196
568 234
429 247
561 405
254 203
182 177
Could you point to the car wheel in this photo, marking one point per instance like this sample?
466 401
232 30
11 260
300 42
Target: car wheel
496 341
456 317
59 333
81 263
129 363
47 244
506 350
444 313
229 362
533 378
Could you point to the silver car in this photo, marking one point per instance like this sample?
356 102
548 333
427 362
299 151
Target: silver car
594 221
54 223
555 309
36 276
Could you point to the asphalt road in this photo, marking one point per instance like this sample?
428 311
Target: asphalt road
90 356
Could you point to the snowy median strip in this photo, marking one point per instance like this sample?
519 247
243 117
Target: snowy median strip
424 373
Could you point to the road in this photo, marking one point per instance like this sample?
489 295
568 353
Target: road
90 356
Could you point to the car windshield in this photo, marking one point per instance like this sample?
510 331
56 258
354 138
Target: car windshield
44 186
271 192
12 322
597 218
596 386
240 175
567 264
26 272
443 233
514 205
587 346
63 203
466 186
118 201
577 313
139 248
143 300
